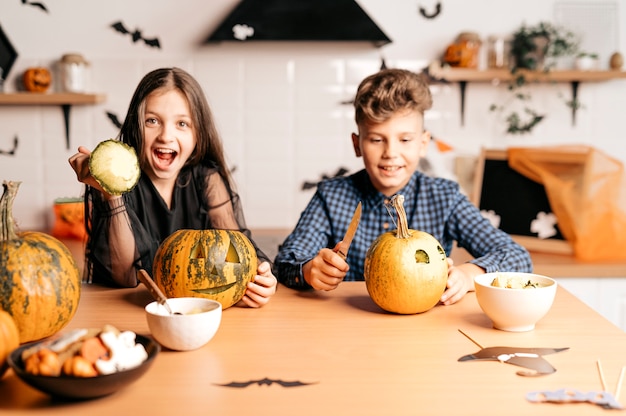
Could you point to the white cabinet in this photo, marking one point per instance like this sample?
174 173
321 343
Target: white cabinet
606 295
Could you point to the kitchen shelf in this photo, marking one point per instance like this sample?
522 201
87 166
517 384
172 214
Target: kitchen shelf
574 77
66 100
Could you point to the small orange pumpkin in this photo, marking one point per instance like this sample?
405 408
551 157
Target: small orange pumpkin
405 271
37 79
9 339
213 264
40 284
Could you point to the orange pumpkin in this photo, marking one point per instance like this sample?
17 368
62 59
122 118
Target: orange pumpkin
40 283
9 339
37 79
405 271
213 264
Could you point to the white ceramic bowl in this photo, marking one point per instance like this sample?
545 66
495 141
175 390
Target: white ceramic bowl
515 310
197 323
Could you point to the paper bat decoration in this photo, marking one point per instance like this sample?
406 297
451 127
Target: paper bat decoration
530 358
136 35
12 151
264 381
603 399
432 15
308 185
113 117
35 4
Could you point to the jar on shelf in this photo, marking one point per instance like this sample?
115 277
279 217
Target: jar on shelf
498 51
74 71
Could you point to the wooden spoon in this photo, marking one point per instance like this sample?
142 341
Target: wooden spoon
154 290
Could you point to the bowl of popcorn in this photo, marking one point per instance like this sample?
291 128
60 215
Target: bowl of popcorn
515 301
188 325
84 363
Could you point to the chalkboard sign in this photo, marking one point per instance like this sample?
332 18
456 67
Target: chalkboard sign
516 204
8 55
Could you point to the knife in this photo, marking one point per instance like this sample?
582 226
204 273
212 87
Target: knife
343 247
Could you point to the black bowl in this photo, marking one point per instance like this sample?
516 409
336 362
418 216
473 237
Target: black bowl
84 387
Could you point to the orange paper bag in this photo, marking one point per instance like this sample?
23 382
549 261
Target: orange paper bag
587 193
69 218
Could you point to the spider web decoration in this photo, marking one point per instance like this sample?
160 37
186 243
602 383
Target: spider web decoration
596 22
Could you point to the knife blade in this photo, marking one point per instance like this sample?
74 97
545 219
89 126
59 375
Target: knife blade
343 247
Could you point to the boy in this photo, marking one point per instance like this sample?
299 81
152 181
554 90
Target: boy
389 113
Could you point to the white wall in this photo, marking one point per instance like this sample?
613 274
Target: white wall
278 105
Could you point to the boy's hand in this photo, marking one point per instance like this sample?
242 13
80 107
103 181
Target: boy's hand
460 281
326 270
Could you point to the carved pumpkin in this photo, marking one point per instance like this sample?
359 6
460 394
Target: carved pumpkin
39 281
37 79
464 52
9 339
213 264
405 271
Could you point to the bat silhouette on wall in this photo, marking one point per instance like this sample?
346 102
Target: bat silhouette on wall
113 117
35 4
432 15
136 35
264 381
309 185
12 151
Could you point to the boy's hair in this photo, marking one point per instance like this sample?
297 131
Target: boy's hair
382 94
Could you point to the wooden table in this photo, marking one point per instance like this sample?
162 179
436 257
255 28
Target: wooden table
358 360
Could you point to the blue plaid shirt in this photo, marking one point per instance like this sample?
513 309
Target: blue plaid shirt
433 205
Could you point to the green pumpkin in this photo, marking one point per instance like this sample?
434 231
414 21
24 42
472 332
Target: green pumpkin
213 264
40 284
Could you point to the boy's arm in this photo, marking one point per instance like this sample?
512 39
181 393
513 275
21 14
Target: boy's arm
304 243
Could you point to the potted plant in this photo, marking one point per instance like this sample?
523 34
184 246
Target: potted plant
533 45
586 61
533 48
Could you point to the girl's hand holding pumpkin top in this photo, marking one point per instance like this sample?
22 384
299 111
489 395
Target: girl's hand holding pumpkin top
80 164
261 289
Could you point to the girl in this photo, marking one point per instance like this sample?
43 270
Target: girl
185 184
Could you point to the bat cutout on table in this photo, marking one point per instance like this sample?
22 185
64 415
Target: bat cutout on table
603 399
12 151
309 185
529 358
432 15
113 117
264 381
35 4
136 35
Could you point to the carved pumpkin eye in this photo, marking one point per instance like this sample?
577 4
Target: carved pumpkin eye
218 265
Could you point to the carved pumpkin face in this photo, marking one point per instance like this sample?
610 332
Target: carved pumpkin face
462 54
213 264
37 79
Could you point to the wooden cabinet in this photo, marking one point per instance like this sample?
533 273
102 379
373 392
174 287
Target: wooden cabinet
65 100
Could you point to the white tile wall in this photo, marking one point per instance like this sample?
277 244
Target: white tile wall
278 105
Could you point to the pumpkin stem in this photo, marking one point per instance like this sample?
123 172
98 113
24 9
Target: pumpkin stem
397 202
7 224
